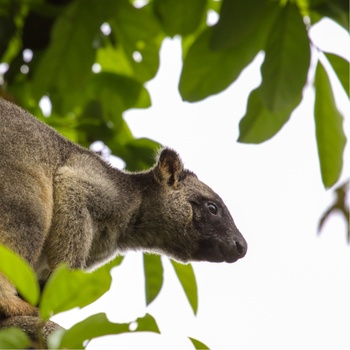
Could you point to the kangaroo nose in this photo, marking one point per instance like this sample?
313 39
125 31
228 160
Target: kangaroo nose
241 248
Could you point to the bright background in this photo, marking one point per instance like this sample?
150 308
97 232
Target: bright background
292 290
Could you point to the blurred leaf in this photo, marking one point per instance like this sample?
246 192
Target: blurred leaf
66 65
180 16
54 339
122 136
341 68
153 270
18 271
11 21
338 10
141 153
330 135
118 93
67 288
138 154
13 338
22 89
115 60
138 41
260 124
287 61
66 125
98 325
92 125
207 71
187 278
109 95
197 344
7 31
238 21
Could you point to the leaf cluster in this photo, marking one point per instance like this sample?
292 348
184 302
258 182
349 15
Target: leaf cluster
280 29
90 59
67 289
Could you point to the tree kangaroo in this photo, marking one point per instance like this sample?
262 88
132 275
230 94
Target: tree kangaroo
61 203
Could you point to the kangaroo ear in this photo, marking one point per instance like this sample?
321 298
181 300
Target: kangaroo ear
168 168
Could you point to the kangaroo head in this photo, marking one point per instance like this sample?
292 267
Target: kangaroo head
185 219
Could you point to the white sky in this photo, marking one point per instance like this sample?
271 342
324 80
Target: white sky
292 290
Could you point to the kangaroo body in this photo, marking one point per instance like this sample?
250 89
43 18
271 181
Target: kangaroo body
61 203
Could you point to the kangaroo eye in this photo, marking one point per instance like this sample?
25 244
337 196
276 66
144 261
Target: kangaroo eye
212 208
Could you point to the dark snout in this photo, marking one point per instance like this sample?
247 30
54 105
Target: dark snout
228 248
236 250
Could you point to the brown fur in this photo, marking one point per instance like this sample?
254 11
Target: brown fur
34 327
62 203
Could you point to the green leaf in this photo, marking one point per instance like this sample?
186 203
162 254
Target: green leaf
197 344
13 338
93 124
260 124
341 69
338 10
186 276
118 93
54 339
153 269
287 59
330 135
137 32
238 21
66 65
7 31
115 60
18 271
206 71
67 288
140 153
98 325
180 16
